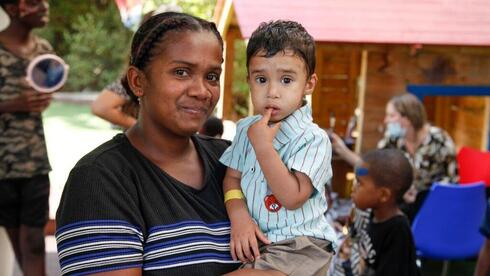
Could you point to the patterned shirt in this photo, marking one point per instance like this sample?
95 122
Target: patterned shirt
22 146
303 147
434 160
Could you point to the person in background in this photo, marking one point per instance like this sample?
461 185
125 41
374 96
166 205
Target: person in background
213 127
280 160
381 241
24 165
114 105
429 149
150 201
483 263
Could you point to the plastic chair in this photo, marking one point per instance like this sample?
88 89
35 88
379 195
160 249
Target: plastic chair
447 225
474 165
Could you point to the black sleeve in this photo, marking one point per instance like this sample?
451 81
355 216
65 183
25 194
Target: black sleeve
98 220
397 255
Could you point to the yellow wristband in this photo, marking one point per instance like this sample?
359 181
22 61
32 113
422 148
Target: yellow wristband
234 194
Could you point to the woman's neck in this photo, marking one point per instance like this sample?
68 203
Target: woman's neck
158 145
416 136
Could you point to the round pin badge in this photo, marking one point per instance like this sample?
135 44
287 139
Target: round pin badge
272 204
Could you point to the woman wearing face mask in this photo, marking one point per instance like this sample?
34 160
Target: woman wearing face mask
430 149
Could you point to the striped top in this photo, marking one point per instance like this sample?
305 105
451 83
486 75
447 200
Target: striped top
303 147
121 211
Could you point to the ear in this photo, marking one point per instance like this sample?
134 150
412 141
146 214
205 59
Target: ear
136 81
310 84
385 194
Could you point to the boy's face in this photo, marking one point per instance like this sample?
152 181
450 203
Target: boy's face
279 83
365 194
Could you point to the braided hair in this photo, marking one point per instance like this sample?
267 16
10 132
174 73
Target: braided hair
153 31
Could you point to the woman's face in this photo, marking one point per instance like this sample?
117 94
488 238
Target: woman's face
181 84
392 115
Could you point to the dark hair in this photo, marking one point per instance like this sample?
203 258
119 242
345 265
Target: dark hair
275 36
390 168
7 2
212 127
154 30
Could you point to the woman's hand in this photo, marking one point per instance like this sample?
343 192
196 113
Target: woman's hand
243 242
338 144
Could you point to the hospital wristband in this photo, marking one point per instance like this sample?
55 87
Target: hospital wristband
234 194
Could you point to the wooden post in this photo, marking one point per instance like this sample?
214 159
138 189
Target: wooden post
360 99
227 90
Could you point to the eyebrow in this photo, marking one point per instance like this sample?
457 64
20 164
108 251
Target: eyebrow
287 71
216 67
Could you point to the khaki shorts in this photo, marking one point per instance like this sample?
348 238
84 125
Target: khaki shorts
302 256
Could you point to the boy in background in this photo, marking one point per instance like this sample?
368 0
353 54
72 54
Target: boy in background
24 164
381 237
279 161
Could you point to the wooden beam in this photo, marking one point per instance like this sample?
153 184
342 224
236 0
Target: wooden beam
361 98
486 126
227 90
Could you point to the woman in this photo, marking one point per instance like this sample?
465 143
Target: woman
149 202
429 149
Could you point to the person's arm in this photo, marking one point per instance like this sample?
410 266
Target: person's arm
343 151
244 231
123 272
28 101
483 263
108 106
291 189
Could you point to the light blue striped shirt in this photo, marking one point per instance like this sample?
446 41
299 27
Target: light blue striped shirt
303 147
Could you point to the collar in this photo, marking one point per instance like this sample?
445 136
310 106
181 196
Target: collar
293 125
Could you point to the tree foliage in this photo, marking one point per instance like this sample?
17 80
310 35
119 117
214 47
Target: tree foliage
89 35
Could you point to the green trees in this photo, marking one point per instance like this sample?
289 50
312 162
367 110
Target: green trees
89 35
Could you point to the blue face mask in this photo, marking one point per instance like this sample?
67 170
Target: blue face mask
395 130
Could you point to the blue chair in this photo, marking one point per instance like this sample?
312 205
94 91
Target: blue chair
446 226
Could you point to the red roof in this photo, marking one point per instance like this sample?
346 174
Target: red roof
449 22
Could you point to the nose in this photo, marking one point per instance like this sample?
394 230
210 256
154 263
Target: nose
385 121
273 91
199 89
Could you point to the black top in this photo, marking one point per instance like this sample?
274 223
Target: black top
390 248
119 210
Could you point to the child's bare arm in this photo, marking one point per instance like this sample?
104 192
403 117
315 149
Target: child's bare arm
291 189
244 231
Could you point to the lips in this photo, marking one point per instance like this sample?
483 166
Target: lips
275 109
194 110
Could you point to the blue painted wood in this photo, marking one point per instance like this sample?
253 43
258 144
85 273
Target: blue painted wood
420 91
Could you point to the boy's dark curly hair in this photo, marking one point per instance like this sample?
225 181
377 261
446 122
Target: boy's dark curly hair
275 36
390 168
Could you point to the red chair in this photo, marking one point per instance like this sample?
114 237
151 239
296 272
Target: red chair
474 166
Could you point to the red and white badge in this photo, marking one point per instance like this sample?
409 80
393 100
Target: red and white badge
272 204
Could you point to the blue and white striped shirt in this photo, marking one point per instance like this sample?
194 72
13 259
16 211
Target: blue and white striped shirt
303 147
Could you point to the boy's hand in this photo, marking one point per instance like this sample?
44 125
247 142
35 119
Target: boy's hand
260 133
243 242
32 101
